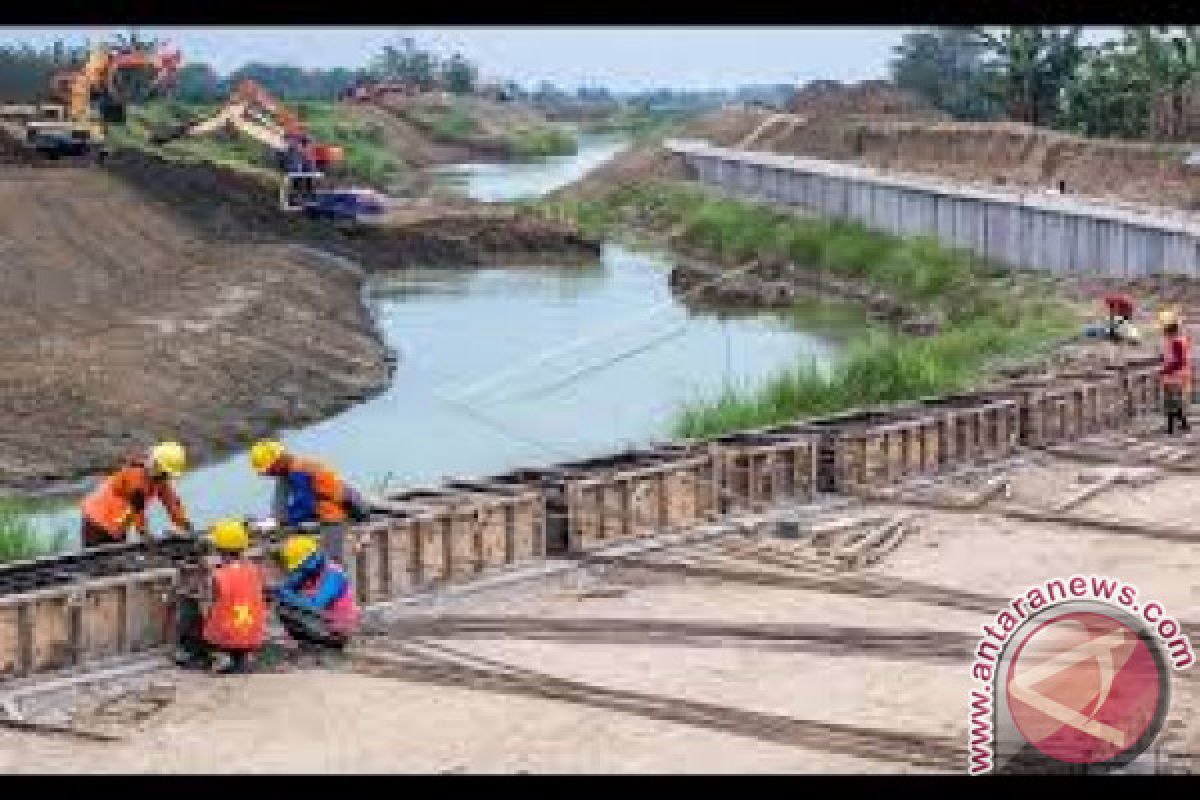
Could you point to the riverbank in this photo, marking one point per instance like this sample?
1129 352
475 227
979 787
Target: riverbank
160 299
970 315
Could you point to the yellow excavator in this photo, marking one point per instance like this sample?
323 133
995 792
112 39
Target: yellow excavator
86 100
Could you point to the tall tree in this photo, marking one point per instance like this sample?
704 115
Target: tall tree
1032 68
947 67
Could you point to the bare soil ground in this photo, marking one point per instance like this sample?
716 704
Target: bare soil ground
741 654
127 325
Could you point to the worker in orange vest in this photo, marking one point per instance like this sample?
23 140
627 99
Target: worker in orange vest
120 500
235 623
1176 371
308 492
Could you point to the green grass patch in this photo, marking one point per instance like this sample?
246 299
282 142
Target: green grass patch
641 126
541 142
19 539
878 369
366 159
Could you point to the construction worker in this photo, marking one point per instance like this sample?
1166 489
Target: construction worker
121 499
315 601
307 492
1120 313
1176 370
235 623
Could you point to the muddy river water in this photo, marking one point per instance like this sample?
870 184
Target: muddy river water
513 366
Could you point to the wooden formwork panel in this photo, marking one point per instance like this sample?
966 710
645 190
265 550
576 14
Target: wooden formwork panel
1102 400
481 526
869 448
54 629
757 469
386 562
973 427
103 622
149 610
52 619
10 642
637 494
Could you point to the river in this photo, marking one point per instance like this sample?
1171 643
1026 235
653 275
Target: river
515 366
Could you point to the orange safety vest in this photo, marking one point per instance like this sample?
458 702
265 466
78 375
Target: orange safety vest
329 488
110 505
1182 376
238 617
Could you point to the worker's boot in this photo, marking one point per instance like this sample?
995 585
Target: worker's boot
186 658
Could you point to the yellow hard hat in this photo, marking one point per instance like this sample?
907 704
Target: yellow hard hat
231 535
169 457
264 453
296 549
1168 316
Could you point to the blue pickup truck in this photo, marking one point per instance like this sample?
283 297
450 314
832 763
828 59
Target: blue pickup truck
343 204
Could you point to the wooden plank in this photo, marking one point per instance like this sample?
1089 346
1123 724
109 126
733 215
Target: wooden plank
10 652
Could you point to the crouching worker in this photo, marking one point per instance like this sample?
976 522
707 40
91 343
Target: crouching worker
315 603
234 626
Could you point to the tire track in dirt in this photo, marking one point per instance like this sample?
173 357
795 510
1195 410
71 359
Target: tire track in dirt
429 663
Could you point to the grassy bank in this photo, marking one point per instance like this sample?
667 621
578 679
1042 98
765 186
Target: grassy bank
366 159
19 539
540 142
988 313
455 124
641 126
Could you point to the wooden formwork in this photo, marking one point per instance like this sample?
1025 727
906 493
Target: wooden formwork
756 469
74 625
974 427
1102 400
870 448
435 536
1051 410
1141 384
637 494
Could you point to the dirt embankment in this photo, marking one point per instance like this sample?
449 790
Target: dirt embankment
149 300
991 154
875 125
127 325
428 130
239 207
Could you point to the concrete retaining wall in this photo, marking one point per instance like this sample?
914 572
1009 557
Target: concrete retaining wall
1024 230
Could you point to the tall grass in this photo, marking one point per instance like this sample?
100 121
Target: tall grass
19 539
541 141
879 368
366 158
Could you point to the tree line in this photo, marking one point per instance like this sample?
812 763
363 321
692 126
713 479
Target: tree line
1145 84
25 73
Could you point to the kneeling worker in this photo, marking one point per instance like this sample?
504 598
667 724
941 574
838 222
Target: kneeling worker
307 491
121 499
315 602
235 624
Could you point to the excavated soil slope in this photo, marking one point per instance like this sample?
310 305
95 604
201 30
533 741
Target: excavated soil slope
127 324
987 154
980 153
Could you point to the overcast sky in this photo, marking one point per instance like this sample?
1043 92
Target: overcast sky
619 58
